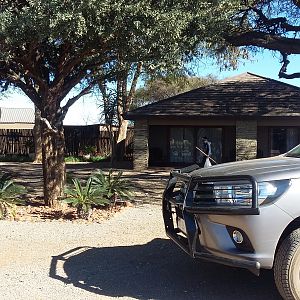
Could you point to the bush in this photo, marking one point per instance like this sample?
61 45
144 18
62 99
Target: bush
100 189
83 197
97 158
89 149
9 193
74 159
112 187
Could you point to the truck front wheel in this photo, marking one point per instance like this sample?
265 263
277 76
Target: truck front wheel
287 267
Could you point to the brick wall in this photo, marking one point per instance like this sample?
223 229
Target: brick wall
140 145
246 140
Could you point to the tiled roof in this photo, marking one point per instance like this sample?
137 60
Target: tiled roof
244 95
16 115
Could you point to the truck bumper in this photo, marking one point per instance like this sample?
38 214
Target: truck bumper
188 239
253 266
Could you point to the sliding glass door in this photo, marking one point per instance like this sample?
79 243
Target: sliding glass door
214 136
283 139
183 142
182 145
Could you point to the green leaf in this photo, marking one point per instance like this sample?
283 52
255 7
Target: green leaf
70 200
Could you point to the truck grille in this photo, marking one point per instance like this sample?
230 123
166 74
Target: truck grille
223 193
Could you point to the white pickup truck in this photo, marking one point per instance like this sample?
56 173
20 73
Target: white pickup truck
243 214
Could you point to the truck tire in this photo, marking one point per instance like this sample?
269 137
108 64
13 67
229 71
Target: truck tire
287 267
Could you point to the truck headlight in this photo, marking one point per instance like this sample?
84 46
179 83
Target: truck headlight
269 191
233 194
238 193
241 194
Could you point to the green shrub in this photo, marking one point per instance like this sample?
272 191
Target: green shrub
83 197
112 187
9 195
89 149
83 159
74 159
97 158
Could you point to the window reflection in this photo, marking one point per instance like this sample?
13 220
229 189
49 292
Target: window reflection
283 139
181 145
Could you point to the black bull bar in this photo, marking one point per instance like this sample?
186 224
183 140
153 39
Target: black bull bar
189 242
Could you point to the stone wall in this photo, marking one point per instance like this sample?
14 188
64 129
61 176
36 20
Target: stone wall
140 142
246 140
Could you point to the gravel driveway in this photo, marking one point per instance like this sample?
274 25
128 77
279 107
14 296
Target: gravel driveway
126 257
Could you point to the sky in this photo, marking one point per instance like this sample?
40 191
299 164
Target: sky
266 64
86 110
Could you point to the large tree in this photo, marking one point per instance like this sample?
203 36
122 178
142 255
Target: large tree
266 24
55 51
47 49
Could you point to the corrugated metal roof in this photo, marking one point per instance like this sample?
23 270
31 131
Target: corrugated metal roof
16 115
244 95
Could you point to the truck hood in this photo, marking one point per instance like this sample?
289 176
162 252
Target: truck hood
264 169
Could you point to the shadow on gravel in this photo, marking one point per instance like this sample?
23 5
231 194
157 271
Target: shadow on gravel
157 270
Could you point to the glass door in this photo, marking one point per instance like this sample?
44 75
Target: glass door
283 139
182 145
214 136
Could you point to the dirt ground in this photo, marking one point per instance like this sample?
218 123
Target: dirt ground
148 185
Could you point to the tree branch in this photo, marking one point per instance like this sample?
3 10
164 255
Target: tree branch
133 86
30 93
266 41
53 129
119 98
72 100
109 104
28 90
280 22
283 69
67 66
70 82
296 2
289 76
32 65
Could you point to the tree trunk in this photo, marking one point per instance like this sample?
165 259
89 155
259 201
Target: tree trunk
53 162
120 147
124 101
37 137
111 135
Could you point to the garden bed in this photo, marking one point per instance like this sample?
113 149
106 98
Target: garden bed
35 211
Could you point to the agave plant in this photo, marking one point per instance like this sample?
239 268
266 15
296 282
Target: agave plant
83 197
9 193
112 187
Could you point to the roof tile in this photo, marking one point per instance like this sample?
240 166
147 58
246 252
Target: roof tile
244 95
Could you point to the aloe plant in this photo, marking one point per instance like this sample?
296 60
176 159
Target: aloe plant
83 197
9 195
112 187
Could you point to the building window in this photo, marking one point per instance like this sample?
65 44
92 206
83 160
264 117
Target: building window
183 142
176 145
182 145
283 139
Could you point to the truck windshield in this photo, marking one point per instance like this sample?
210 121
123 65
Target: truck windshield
295 152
